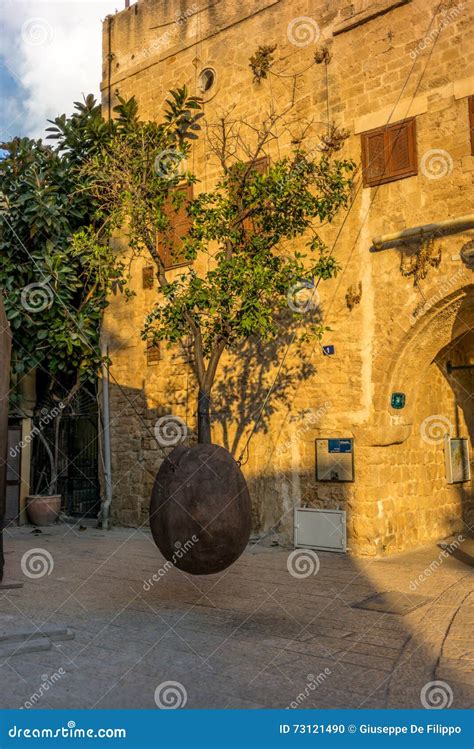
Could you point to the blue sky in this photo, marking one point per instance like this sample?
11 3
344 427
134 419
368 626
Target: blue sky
50 55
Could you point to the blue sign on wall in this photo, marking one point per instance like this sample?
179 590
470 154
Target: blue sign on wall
328 350
340 446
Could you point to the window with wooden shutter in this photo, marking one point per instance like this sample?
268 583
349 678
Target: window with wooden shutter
153 354
170 244
389 153
471 121
148 274
260 166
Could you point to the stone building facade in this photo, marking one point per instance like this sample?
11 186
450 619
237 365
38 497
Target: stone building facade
389 61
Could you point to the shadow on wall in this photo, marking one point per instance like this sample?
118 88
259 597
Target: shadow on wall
246 396
141 437
254 385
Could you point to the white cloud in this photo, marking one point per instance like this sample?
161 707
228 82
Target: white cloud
52 50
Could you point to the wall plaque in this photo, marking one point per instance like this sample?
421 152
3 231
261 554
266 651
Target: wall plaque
458 467
398 400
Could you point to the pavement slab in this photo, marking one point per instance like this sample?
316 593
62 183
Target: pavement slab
252 636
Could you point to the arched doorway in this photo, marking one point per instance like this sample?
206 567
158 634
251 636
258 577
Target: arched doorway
409 499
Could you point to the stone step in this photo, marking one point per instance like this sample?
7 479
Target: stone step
8 649
50 631
10 585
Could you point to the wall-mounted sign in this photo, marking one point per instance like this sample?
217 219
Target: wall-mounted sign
335 459
456 452
398 400
329 350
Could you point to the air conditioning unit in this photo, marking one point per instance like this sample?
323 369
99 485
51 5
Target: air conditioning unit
324 530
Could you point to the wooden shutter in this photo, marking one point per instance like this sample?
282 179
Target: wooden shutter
389 153
148 274
260 166
153 354
373 157
401 147
471 121
170 245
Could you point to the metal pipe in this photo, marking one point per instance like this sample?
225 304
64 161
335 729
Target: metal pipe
105 508
451 367
451 225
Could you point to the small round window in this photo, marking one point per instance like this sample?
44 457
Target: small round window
207 79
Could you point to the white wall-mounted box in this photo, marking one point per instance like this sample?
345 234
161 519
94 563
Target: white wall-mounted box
320 529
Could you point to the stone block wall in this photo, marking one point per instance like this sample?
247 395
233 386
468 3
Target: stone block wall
389 60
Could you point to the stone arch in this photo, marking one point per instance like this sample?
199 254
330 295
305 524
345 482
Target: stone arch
443 322
403 498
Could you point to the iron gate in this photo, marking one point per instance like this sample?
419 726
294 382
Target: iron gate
78 455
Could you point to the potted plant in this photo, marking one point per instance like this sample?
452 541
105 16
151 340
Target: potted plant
43 509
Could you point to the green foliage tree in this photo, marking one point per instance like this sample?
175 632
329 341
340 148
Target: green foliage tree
244 230
56 272
57 267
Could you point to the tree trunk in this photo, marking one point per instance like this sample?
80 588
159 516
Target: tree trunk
204 418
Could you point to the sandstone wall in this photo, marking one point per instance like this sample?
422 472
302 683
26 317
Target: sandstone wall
389 60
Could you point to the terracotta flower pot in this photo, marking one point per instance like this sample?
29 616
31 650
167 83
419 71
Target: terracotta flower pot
43 510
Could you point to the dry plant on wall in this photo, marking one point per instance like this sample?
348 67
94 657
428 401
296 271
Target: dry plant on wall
322 54
261 62
418 265
354 295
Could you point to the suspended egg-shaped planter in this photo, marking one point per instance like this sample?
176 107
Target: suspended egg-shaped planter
200 512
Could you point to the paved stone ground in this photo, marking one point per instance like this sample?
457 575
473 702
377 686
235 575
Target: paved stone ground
253 636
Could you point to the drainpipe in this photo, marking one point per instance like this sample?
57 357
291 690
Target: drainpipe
110 57
105 508
450 226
